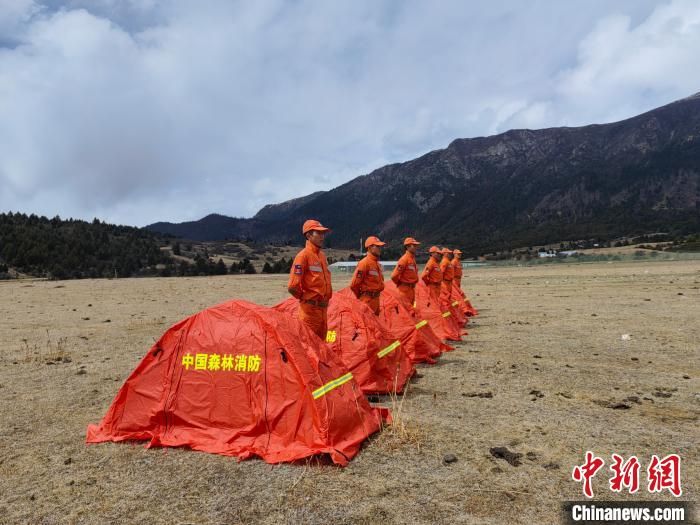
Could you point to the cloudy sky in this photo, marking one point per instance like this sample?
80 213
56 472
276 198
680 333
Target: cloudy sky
135 111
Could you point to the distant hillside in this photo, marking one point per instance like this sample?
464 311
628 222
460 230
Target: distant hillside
63 249
519 188
74 249
213 227
273 212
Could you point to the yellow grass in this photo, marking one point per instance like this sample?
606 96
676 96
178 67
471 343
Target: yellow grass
537 331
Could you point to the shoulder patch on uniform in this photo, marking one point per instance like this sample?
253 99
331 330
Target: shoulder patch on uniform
297 269
359 273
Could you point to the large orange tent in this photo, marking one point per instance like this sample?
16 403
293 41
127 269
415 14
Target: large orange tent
403 321
365 347
242 380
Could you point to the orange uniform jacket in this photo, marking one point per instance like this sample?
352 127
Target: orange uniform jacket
405 276
368 276
448 271
406 270
432 275
309 278
368 281
310 282
457 266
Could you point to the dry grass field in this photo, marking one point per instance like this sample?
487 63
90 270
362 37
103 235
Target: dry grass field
544 372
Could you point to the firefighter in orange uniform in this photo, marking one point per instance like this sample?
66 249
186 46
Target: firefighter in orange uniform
448 273
368 282
310 279
432 275
466 307
457 268
405 275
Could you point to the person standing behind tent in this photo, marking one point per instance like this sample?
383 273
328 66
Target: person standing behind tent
448 295
457 269
432 275
405 274
448 273
368 282
310 279
467 307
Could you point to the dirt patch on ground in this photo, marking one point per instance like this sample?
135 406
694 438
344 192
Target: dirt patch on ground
543 376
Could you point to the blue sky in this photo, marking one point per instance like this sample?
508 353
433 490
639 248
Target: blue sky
138 111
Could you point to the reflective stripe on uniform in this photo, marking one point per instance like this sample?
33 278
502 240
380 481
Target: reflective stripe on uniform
421 324
455 303
331 385
386 351
446 314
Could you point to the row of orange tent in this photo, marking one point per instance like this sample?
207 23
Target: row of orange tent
245 380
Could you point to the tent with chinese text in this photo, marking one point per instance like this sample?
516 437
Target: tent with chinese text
242 380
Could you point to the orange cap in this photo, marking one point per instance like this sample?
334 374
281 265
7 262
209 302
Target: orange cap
457 252
410 240
313 224
434 249
446 251
373 241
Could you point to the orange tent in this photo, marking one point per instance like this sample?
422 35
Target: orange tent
365 347
441 321
242 380
452 302
402 320
390 347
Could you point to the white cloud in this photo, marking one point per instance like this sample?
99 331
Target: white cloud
144 111
623 69
14 16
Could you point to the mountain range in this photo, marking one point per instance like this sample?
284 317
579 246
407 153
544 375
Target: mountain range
519 188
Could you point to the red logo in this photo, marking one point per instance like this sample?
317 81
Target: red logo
662 474
586 472
665 474
626 474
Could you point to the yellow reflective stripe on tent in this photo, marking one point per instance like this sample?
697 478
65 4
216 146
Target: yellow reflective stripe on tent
421 324
455 303
331 385
386 351
446 314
